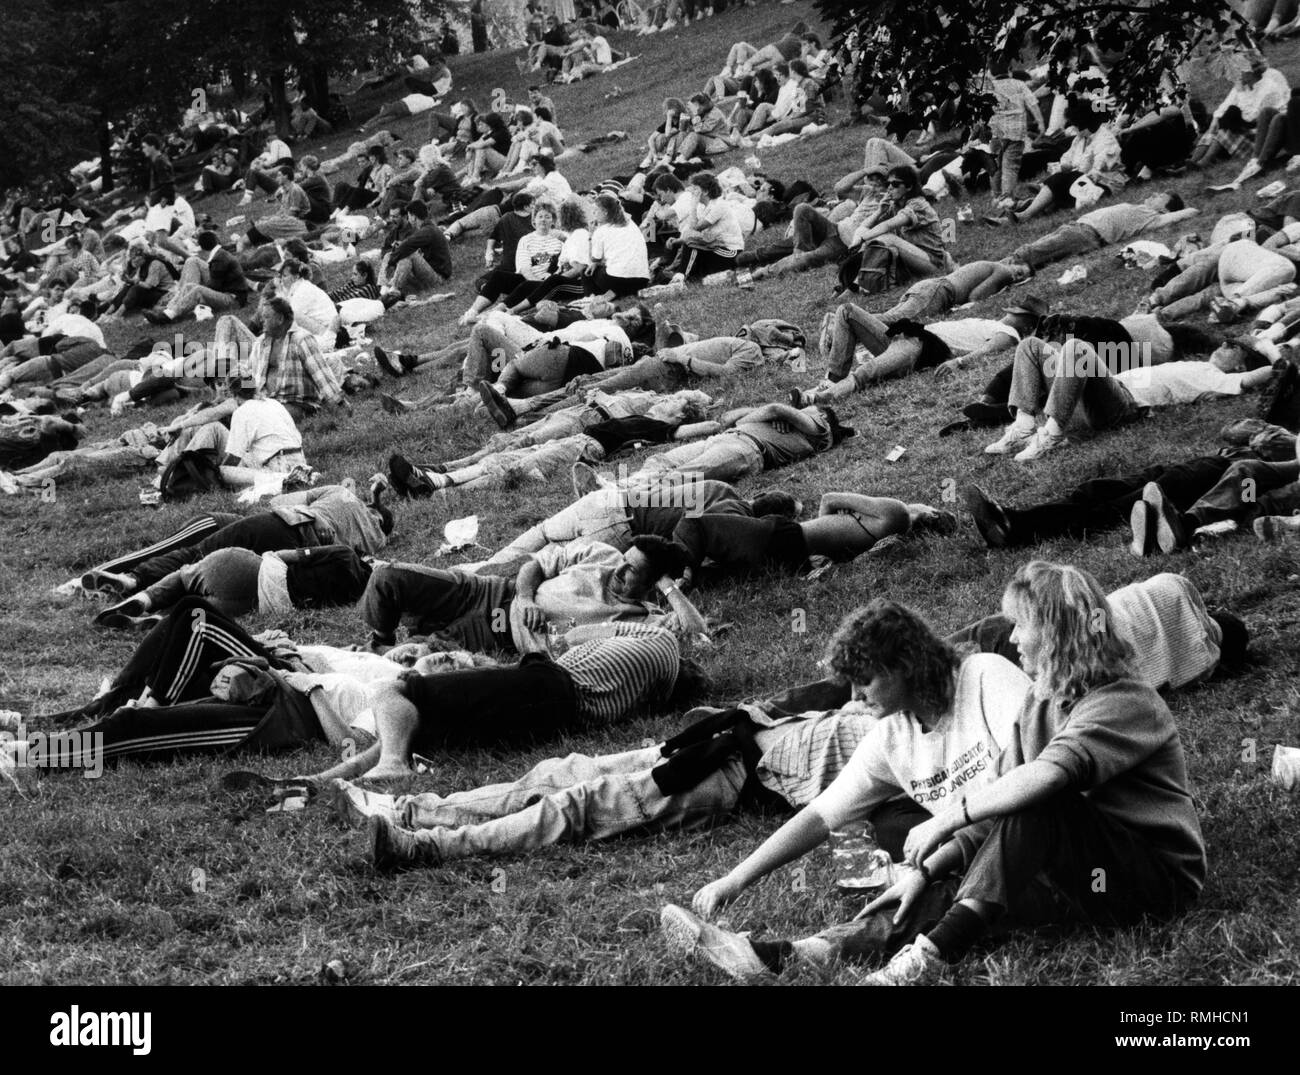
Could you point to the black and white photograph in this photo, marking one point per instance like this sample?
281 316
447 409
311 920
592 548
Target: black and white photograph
657 493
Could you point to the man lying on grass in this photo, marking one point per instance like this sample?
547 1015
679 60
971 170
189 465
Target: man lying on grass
1055 383
754 439
1168 506
539 451
567 585
324 515
788 750
614 515
847 525
608 672
1091 777
172 698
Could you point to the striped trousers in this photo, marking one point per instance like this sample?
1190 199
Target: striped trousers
174 661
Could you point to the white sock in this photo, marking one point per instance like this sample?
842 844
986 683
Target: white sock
1053 428
1024 422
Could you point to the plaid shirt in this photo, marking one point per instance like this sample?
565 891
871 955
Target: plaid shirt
302 376
803 754
1016 103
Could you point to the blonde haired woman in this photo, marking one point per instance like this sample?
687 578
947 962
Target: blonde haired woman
1091 819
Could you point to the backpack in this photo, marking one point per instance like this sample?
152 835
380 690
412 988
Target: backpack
189 474
773 336
877 269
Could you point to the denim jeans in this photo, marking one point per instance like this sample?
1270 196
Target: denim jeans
1007 152
1055 381
598 516
1064 242
568 799
726 457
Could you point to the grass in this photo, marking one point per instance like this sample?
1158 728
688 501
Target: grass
99 881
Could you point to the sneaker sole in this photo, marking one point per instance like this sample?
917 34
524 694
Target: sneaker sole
94 582
684 933
1139 521
1166 534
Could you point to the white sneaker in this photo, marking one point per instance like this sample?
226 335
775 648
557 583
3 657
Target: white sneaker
918 963
1011 441
1042 443
247 199
1252 169
688 934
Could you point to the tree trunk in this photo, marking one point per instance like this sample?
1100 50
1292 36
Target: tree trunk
316 80
105 154
239 82
279 102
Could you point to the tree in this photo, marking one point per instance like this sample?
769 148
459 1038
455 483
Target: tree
313 39
939 50
36 101
123 61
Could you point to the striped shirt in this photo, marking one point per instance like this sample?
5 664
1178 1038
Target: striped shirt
1166 621
536 253
615 676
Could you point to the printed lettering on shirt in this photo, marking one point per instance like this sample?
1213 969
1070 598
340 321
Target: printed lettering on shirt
946 781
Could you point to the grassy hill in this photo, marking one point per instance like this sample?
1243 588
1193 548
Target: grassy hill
97 878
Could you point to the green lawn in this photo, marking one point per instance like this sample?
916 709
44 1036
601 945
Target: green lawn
98 878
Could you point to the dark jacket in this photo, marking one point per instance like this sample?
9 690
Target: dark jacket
327 576
321 197
432 243
227 274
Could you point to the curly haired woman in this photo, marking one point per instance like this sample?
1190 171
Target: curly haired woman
943 722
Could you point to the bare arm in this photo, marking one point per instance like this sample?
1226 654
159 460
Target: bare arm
780 412
803 832
688 616
696 429
1014 791
885 227
1176 217
215 413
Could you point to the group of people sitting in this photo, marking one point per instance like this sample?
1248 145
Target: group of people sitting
999 764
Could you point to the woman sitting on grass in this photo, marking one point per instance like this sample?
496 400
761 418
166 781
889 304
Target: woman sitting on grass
1095 154
568 281
909 225
620 266
709 133
1091 786
711 236
663 140
487 153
